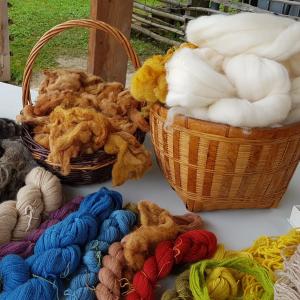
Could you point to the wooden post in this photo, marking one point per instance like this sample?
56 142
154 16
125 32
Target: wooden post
4 42
106 56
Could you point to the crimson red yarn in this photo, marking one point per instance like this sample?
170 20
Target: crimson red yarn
189 247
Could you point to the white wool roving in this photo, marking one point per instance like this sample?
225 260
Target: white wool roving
294 115
193 82
255 78
252 92
245 73
237 112
265 35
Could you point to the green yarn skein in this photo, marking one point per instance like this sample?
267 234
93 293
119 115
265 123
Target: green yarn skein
241 264
182 288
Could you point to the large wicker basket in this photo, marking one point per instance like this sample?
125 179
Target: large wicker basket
213 166
86 169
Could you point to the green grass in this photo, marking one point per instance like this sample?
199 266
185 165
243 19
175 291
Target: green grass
32 18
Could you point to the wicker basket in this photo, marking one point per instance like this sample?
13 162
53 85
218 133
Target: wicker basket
213 166
88 168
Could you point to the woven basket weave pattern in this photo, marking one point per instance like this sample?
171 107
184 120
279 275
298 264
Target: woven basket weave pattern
88 168
228 168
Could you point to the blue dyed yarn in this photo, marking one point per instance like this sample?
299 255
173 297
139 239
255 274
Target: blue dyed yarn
113 229
57 252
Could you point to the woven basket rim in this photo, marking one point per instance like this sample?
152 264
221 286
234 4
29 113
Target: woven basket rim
209 127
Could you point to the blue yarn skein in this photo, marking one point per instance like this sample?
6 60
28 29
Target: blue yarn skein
57 252
112 230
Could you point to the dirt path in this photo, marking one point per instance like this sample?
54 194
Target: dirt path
73 63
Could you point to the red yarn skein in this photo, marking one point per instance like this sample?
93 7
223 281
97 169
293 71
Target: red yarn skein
189 247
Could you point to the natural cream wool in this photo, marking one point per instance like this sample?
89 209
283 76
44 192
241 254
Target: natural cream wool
245 73
50 187
265 35
258 98
193 82
17 218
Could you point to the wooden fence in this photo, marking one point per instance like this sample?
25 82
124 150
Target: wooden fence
165 20
4 42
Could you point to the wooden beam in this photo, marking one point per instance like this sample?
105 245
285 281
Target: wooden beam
106 57
4 42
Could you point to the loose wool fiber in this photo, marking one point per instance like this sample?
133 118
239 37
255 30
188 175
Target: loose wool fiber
157 225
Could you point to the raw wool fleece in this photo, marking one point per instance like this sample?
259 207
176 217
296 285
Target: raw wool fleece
248 77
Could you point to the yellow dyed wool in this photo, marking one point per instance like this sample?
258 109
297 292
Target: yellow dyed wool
224 283
269 252
149 82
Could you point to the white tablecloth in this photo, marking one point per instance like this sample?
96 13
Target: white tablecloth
235 228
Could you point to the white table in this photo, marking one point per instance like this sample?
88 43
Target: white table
235 228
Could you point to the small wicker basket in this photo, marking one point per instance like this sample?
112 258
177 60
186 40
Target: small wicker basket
86 169
213 166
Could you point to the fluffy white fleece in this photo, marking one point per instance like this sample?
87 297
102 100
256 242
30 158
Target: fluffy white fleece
246 72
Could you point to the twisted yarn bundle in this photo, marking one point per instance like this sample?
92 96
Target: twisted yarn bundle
110 275
157 225
287 287
268 252
244 73
189 247
15 163
41 194
82 284
57 252
222 283
25 247
181 290
9 129
199 286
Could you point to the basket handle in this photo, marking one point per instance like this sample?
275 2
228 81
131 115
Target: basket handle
86 23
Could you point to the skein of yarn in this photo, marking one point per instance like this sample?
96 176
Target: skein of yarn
110 275
157 225
189 247
267 251
41 194
25 247
222 283
49 185
182 288
57 252
199 286
287 287
15 163
82 284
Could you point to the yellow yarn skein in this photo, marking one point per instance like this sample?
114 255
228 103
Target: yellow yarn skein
221 284
149 82
269 252
224 283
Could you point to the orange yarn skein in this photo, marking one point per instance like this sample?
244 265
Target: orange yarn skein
157 225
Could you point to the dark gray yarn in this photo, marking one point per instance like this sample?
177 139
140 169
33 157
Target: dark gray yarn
15 163
9 129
